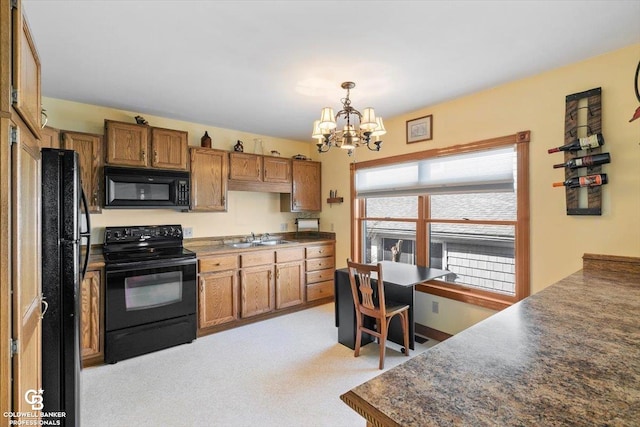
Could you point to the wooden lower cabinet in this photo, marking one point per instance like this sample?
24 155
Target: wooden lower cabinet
257 290
320 268
91 332
289 284
237 288
290 277
218 298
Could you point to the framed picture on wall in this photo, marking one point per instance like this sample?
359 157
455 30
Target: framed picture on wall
420 129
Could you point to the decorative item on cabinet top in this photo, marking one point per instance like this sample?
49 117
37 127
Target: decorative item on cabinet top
238 147
141 120
205 141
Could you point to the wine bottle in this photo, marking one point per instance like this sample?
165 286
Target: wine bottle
581 162
593 141
584 181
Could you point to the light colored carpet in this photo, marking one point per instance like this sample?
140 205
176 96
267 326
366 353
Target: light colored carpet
285 371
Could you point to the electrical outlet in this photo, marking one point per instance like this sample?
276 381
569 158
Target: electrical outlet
283 226
187 232
435 307
332 227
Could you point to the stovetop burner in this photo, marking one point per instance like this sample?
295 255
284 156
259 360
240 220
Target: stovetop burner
148 254
141 243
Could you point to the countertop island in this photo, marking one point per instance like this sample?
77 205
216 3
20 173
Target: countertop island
568 355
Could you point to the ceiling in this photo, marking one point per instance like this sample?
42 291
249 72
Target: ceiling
268 67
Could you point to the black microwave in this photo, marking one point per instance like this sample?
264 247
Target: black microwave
133 188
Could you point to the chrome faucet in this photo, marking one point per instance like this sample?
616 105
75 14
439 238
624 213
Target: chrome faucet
253 237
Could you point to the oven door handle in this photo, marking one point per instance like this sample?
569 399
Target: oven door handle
146 265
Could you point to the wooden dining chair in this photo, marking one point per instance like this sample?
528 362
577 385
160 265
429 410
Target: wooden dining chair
369 300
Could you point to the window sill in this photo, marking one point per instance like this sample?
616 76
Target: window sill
466 295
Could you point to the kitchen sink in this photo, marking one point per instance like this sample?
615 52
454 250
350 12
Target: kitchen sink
273 242
241 245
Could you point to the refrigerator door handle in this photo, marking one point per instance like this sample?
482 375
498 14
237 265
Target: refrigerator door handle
86 234
45 306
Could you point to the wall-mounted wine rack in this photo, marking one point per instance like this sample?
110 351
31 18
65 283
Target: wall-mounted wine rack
572 126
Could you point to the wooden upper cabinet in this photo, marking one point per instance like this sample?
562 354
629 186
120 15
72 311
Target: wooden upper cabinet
306 190
209 171
245 167
89 149
127 144
169 148
26 89
49 137
277 169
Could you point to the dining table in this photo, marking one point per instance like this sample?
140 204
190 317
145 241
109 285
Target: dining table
400 280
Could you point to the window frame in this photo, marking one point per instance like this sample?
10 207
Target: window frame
454 291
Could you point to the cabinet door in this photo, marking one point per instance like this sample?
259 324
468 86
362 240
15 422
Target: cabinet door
305 194
218 298
169 149
89 149
277 169
127 144
49 137
209 170
289 284
25 268
26 97
257 290
245 167
90 324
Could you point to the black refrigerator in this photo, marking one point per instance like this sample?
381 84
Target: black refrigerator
65 253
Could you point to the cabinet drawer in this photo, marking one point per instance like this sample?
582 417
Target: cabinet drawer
320 275
320 263
256 258
217 263
320 251
320 290
290 254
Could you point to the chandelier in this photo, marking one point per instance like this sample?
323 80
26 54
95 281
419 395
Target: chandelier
358 130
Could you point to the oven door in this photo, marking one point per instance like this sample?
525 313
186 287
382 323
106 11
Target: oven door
143 292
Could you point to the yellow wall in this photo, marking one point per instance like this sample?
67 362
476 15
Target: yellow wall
247 211
537 104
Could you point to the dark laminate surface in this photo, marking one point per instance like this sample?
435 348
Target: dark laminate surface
400 274
568 355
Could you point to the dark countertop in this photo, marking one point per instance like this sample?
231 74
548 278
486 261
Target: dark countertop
399 274
568 355
216 247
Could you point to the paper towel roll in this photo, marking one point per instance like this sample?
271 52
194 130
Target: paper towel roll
308 224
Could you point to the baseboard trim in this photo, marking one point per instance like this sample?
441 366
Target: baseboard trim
428 332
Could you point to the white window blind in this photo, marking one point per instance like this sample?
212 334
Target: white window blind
477 172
